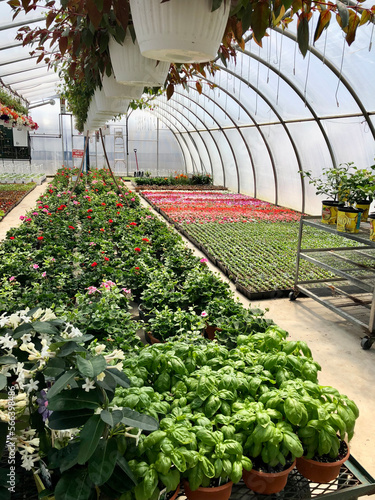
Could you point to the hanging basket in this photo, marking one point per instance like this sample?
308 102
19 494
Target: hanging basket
130 67
179 31
107 104
112 88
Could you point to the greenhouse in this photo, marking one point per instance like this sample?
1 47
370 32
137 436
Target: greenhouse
187 245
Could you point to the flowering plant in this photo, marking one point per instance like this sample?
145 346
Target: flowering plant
11 117
58 405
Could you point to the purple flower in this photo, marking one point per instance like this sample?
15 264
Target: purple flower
43 404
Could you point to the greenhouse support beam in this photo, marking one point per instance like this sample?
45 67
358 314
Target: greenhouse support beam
21 23
12 46
210 132
286 129
204 130
20 59
12 73
192 140
339 75
176 135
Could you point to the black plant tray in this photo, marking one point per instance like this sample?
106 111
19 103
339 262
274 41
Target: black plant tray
353 482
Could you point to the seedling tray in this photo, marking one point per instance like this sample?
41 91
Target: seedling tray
353 482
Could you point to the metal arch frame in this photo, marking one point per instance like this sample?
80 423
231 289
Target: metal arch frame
247 146
24 70
175 135
337 73
21 23
193 162
282 122
232 151
186 130
163 118
208 130
22 84
204 142
7 63
34 78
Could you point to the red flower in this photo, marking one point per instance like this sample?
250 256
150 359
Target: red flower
145 240
89 210
101 229
137 249
106 258
89 217
110 221
133 223
94 264
71 227
11 237
119 205
118 213
40 238
103 204
137 268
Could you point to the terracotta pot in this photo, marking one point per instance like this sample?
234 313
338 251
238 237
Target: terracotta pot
179 31
174 496
320 472
266 483
210 331
218 493
150 338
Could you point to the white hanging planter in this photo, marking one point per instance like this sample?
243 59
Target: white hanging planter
107 104
130 67
112 88
184 31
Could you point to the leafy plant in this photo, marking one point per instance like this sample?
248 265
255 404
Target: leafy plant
169 323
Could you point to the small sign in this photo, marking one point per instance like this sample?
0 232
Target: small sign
20 137
77 153
62 107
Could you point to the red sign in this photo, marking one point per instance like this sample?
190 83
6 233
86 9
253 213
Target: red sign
77 153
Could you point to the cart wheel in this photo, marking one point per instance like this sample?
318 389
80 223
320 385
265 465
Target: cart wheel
366 343
292 296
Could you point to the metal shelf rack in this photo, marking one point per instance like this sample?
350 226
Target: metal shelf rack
350 289
352 483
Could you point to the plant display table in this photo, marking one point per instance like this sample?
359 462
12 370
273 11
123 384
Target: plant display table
350 291
353 482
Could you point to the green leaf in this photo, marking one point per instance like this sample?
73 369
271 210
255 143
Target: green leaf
179 460
54 368
45 327
123 464
3 381
293 410
65 458
260 19
91 367
133 418
120 377
216 4
90 436
111 418
61 420
205 387
74 485
103 461
75 399
303 34
22 329
293 444
8 360
61 383
68 348
207 467
343 13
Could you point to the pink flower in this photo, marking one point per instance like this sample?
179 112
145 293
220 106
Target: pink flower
53 259
127 291
132 199
44 274
12 278
35 213
203 261
35 266
204 314
92 289
22 217
92 243
108 284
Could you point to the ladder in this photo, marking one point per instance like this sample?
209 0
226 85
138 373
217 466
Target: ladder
120 151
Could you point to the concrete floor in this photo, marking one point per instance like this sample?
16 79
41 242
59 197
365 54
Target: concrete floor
335 344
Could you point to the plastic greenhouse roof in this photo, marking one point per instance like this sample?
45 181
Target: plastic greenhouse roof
270 115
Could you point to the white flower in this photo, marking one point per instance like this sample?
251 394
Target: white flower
90 384
26 338
99 348
5 371
18 368
28 462
14 320
3 320
8 342
32 386
38 313
48 315
101 376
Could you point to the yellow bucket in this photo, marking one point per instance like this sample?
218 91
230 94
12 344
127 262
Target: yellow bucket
365 207
348 220
372 226
329 212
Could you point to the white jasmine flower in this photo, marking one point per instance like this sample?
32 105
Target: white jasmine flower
8 342
3 320
14 320
28 462
100 348
38 313
90 384
48 315
32 386
26 338
101 376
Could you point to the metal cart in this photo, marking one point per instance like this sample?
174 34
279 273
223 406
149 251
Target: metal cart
352 483
349 289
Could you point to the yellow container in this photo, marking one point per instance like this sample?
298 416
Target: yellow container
372 226
348 220
365 207
329 212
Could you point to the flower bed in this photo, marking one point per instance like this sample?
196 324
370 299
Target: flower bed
11 195
252 241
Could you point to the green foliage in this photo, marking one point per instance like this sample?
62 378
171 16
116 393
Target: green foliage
12 102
